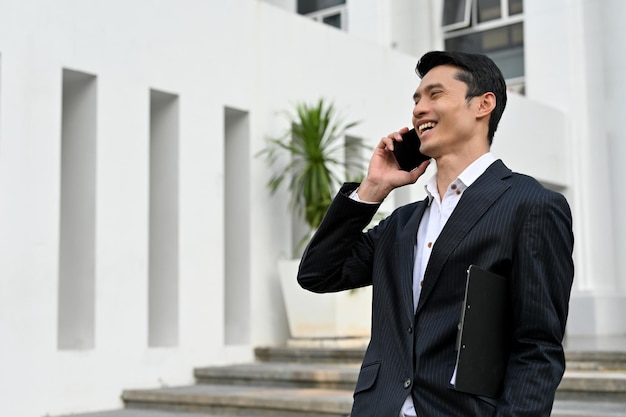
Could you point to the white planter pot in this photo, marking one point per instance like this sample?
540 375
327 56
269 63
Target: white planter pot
335 315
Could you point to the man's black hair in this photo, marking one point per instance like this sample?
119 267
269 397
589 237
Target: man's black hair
480 74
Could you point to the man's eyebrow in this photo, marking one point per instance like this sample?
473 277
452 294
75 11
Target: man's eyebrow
426 89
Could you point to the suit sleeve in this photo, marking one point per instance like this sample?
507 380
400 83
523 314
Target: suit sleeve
339 255
541 281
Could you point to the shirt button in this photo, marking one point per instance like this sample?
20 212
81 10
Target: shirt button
430 244
453 186
421 283
407 383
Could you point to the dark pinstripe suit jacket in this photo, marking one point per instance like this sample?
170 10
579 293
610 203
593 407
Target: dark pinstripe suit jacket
505 222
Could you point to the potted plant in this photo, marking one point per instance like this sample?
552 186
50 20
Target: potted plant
317 156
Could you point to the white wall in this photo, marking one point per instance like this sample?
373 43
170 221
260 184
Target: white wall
571 64
405 25
242 55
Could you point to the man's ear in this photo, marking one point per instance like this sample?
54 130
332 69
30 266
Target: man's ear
486 104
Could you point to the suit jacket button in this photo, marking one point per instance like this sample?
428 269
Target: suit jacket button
410 329
407 382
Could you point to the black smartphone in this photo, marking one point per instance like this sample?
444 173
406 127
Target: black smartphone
407 152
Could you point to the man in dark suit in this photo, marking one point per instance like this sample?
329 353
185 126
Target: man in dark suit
476 212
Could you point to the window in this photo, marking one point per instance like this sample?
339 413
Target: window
330 12
491 27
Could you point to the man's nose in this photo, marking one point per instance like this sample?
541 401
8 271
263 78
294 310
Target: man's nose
420 109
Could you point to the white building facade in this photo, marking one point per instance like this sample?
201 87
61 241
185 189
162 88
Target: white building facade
137 236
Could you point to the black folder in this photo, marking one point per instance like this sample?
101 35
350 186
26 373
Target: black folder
482 341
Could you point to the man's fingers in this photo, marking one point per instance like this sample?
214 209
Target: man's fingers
387 141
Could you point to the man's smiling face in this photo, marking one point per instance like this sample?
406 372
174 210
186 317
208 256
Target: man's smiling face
442 116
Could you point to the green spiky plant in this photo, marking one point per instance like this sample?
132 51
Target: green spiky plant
316 155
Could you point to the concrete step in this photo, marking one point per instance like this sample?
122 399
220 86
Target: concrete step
597 361
594 385
560 409
237 400
222 400
581 408
282 374
317 381
334 352
125 412
300 375
310 354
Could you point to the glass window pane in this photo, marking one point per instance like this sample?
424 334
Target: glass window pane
488 40
310 6
488 10
333 20
516 7
510 61
455 12
495 39
517 34
466 43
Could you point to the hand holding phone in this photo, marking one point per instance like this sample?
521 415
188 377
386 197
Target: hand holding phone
407 152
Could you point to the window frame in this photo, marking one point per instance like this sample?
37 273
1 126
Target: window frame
481 27
475 26
341 10
466 22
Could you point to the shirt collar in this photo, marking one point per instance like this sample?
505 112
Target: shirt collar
467 177
477 168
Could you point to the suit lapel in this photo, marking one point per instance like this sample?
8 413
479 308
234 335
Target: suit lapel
476 200
406 256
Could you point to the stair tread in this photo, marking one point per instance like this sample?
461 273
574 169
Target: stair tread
332 400
596 374
285 365
309 354
278 369
230 390
566 408
129 412
615 380
281 368
303 350
602 355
